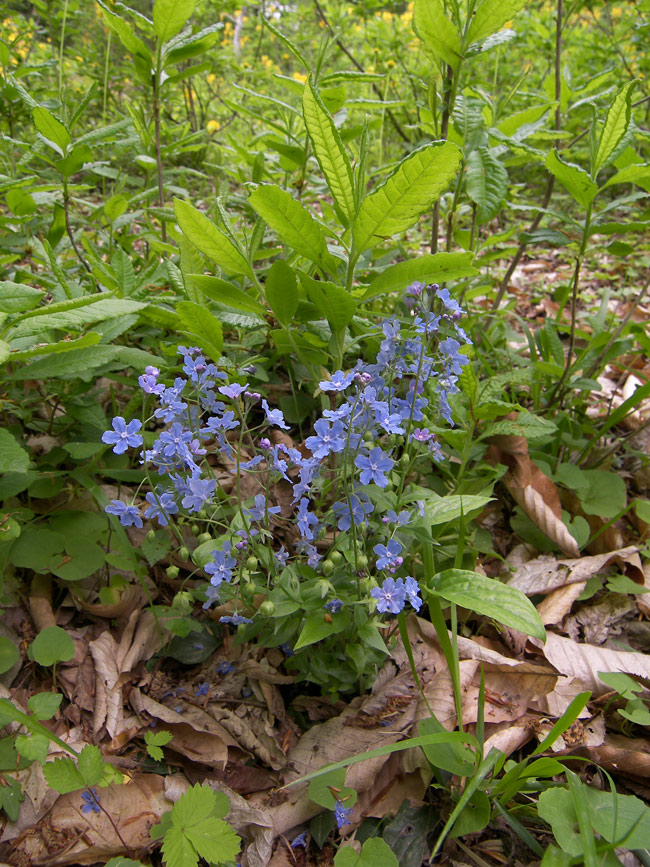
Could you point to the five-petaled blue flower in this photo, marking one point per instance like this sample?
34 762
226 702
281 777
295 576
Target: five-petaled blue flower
235 619
202 689
197 492
339 381
391 596
328 438
389 555
412 592
163 505
274 416
307 521
123 435
221 566
373 467
261 508
355 510
232 391
342 814
129 515
333 606
90 800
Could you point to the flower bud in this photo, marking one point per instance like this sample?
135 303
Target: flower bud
172 572
195 529
204 537
328 567
151 535
362 562
336 557
184 553
251 564
267 608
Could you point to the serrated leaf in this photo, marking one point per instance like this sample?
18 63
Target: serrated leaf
329 150
573 178
214 840
33 747
428 268
292 222
170 16
12 455
44 704
91 338
177 851
16 297
437 33
90 765
51 129
616 125
491 16
209 239
154 742
203 326
486 183
491 598
411 189
62 776
634 174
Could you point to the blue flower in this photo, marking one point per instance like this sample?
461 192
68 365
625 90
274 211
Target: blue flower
123 435
202 689
422 435
453 359
129 515
389 555
373 467
282 556
261 509
333 606
391 422
218 423
338 382
452 307
274 416
300 840
342 814
148 381
391 596
328 439
194 367
225 668
221 566
429 324
235 619
197 492
90 800
162 506
287 649
232 391
356 510
412 593
175 441
307 521
391 517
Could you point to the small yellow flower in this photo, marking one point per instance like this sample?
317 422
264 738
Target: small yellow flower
300 77
211 78
390 63
213 126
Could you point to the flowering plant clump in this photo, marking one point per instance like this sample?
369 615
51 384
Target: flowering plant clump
327 538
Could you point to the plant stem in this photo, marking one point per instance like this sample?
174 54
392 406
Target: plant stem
68 227
156 120
448 106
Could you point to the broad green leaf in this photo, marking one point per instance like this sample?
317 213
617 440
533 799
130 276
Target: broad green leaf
635 174
491 598
375 852
9 654
203 326
281 292
5 351
81 560
491 16
603 494
75 319
154 742
124 32
574 179
51 645
34 747
320 790
209 239
45 704
436 268
170 16
329 150
474 817
51 128
486 181
441 510
177 851
292 222
11 797
214 840
411 189
225 293
16 297
315 629
12 455
62 776
616 125
453 757
514 122
438 35
333 302
90 765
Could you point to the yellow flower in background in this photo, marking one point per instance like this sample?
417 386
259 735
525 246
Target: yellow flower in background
390 63
299 76
211 78
213 126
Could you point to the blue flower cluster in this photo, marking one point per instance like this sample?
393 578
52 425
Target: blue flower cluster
371 406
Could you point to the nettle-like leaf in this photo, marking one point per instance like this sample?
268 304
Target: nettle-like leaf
63 776
486 181
196 830
52 130
437 33
408 192
328 150
12 455
573 178
491 16
154 742
209 239
616 125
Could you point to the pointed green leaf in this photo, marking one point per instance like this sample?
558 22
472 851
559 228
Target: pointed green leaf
214 840
12 456
436 268
574 179
329 150
486 183
411 189
209 239
491 16
488 596
616 125
292 222
375 852
225 293
51 129
333 302
177 851
62 776
438 35
169 17
124 32
91 765
203 326
282 292
634 174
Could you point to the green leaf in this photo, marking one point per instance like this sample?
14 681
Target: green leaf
616 125
574 179
486 183
438 35
62 776
603 494
177 851
203 326
11 797
214 840
16 297
329 150
156 740
81 560
51 645
320 790
209 239
45 704
411 189
52 130
441 510
225 293
436 268
491 16
333 302
125 34
282 292
170 16
12 456
9 654
491 598
316 628
375 852
474 817
635 174
196 831
91 765
92 338
33 747
292 222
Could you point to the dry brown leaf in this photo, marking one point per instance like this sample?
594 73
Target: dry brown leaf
132 597
584 661
531 488
595 623
618 755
